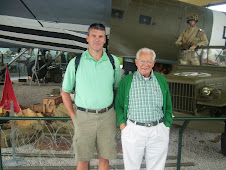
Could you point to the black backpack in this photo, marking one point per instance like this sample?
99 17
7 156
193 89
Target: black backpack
77 61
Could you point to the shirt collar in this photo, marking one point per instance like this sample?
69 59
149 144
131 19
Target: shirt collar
138 74
103 58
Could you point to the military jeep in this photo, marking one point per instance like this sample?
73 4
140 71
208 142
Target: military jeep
198 89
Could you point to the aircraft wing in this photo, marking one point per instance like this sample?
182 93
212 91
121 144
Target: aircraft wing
51 24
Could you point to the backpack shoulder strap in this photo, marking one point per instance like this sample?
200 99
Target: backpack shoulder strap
111 60
77 61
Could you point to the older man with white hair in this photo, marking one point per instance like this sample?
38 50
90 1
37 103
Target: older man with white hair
144 113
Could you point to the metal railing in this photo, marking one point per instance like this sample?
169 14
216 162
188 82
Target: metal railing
184 126
204 56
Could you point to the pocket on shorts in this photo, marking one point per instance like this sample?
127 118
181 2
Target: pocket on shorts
74 142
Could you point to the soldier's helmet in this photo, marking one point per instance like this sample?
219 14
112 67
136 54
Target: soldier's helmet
192 17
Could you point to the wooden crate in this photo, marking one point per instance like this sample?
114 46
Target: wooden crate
50 103
37 107
49 108
48 114
52 100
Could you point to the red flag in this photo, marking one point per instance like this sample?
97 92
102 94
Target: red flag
8 95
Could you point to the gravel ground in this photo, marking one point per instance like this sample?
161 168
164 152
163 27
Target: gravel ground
202 148
27 94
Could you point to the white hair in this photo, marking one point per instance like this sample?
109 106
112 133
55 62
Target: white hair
146 50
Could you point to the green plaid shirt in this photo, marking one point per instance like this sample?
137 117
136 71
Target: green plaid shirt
145 99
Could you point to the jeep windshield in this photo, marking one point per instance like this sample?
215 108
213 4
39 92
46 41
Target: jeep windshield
204 56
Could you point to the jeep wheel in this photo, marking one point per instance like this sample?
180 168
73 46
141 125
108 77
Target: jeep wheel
57 78
41 73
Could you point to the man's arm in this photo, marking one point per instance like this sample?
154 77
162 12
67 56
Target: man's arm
68 103
204 41
179 40
68 85
122 126
119 106
169 110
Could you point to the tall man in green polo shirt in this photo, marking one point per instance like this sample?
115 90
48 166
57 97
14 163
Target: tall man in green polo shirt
144 113
95 117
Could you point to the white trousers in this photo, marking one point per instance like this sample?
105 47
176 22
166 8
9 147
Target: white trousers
139 141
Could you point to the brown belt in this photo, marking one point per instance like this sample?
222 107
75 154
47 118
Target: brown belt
95 111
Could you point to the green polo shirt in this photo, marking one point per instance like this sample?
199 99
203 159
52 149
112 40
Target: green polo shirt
94 81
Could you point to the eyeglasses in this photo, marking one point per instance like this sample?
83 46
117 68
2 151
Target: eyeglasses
142 62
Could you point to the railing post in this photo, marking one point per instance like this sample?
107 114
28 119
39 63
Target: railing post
224 126
1 167
180 143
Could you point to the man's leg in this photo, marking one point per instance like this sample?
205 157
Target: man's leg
133 145
195 59
184 58
103 164
157 147
84 138
82 165
106 135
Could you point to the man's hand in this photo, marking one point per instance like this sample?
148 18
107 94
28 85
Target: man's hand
192 48
67 103
122 126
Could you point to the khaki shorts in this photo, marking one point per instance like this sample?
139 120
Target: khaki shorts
95 131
